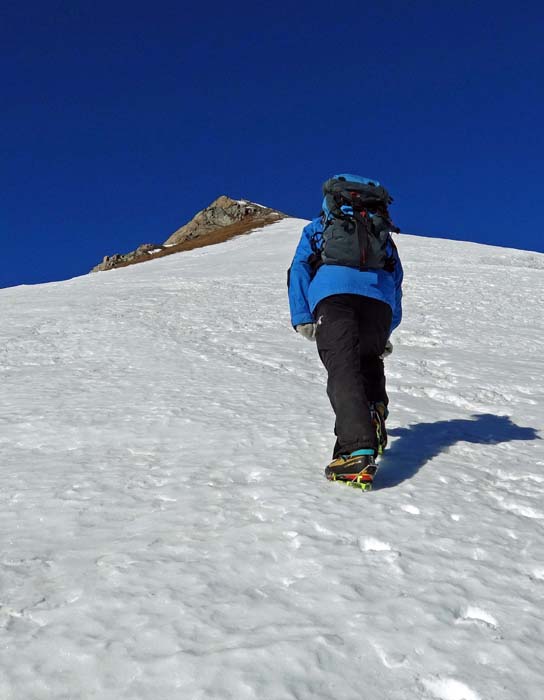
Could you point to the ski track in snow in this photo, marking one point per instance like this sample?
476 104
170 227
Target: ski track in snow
167 530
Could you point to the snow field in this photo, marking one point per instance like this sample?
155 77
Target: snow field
167 530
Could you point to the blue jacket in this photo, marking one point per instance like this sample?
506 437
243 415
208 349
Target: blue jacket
305 291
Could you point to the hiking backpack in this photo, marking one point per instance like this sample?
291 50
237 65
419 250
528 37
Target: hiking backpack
356 225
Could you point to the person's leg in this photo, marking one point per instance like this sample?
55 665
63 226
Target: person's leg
338 343
374 319
374 329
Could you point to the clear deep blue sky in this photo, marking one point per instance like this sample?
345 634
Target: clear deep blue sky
120 120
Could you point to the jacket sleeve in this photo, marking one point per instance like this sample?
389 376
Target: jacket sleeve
399 276
299 277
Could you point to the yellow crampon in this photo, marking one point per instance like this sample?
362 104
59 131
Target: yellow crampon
358 483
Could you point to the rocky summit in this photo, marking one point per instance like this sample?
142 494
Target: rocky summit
221 220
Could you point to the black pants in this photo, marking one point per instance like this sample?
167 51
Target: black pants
352 331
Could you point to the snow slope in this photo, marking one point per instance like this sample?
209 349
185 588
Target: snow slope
166 528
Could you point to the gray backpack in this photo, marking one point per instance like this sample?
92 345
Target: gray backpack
357 227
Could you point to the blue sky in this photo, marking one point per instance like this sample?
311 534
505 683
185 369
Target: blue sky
121 120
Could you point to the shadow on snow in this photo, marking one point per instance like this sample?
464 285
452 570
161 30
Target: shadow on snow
419 443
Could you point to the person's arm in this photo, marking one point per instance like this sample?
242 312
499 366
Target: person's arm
398 273
299 277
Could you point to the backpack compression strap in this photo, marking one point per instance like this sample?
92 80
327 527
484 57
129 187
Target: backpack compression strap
359 196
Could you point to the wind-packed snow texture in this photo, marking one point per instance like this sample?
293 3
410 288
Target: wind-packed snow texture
167 532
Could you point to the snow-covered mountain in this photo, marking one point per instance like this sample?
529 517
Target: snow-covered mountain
167 532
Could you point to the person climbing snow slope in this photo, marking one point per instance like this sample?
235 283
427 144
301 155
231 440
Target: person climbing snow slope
345 292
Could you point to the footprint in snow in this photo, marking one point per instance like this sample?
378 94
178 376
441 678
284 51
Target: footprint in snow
389 659
114 565
449 689
369 544
382 549
537 574
408 508
474 614
524 511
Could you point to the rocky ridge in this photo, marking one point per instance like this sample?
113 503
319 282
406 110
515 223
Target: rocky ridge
221 220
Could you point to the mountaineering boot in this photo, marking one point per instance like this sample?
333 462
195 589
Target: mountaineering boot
356 469
378 416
